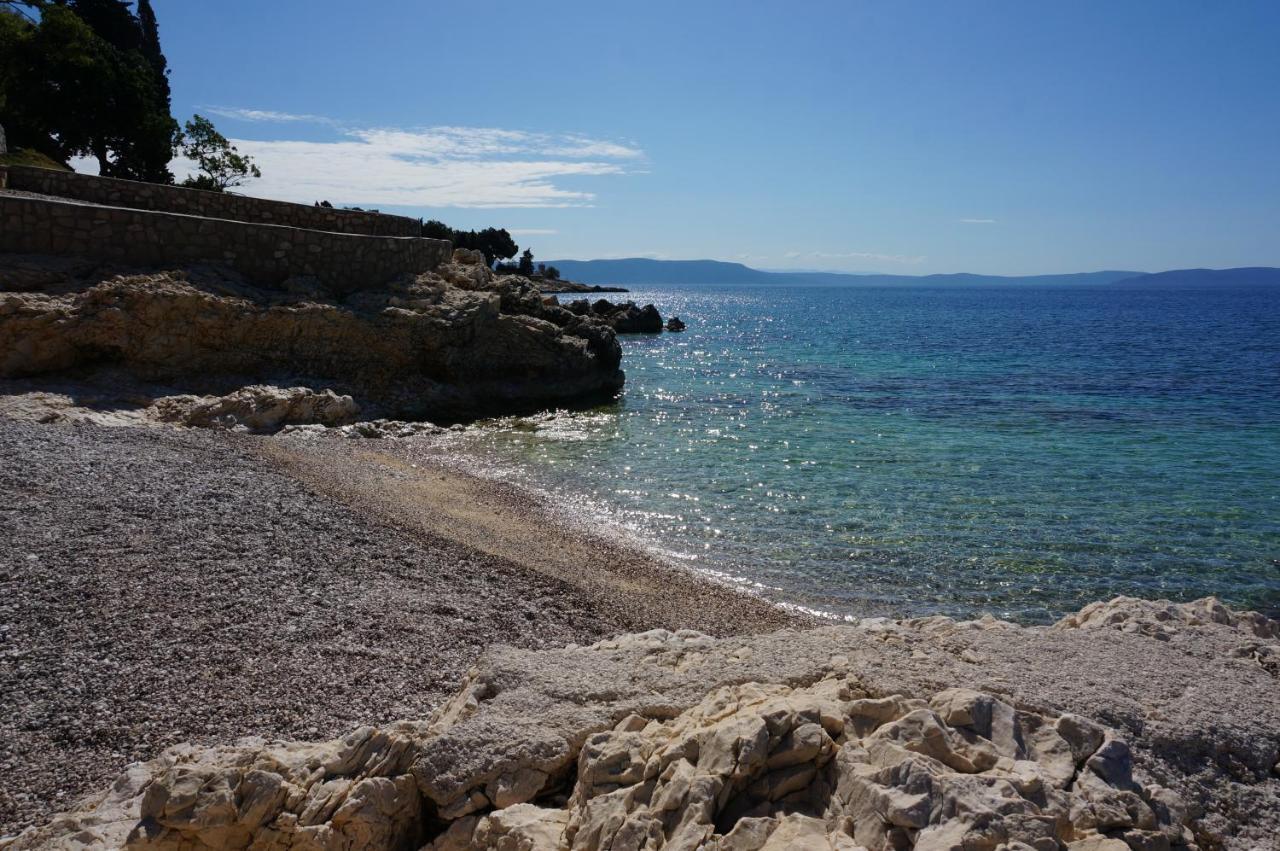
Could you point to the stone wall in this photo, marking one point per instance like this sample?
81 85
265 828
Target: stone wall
266 254
197 202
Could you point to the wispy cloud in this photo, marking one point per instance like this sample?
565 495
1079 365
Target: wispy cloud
854 255
267 115
978 221
532 231
442 166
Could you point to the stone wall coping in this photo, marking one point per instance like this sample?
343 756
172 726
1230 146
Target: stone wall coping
181 200
268 254
90 205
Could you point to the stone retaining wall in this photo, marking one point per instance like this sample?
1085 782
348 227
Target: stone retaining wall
198 202
266 254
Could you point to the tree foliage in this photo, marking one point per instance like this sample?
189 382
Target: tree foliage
78 80
221 165
525 267
494 243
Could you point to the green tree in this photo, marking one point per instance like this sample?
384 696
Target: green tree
150 49
434 229
526 262
74 85
221 165
494 243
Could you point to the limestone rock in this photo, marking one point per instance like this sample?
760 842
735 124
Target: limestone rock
259 408
1161 618
419 347
875 736
624 318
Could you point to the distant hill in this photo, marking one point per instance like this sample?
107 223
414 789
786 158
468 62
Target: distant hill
639 271
1198 278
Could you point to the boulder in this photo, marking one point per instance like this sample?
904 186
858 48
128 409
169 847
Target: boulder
637 320
258 408
674 324
625 318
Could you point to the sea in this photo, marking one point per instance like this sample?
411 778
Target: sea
916 451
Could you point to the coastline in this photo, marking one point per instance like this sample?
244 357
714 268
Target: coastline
176 590
183 585
417 485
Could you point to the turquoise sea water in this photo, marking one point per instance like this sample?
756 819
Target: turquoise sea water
918 451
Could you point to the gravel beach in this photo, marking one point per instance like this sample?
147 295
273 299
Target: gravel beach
160 585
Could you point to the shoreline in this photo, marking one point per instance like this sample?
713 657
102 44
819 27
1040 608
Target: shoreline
419 485
167 585
190 586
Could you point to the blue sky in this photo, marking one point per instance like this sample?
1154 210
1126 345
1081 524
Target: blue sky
909 137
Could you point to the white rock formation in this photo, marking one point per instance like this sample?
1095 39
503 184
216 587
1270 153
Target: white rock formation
925 735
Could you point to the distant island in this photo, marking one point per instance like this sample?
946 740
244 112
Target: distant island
639 271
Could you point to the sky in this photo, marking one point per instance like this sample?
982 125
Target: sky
991 136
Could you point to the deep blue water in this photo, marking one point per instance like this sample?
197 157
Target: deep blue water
915 451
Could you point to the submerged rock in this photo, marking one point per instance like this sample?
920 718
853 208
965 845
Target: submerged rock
924 734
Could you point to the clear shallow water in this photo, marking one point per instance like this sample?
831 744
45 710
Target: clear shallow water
919 451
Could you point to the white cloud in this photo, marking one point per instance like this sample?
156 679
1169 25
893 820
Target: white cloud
854 255
265 115
532 231
978 221
428 167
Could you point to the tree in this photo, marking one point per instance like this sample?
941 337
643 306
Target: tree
150 49
76 82
494 243
526 262
552 273
221 165
434 229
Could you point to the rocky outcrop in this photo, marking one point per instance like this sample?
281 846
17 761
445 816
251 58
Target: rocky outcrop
258 408
551 286
447 345
624 318
370 430
923 734
675 324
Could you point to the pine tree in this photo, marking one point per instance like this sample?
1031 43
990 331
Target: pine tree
150 48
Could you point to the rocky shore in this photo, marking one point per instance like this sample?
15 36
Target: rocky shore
195 552
451 344
297 590
161 585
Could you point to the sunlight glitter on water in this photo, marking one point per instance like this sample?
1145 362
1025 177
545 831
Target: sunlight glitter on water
916 452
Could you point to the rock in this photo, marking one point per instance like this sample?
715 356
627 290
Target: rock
422 347
1161 618
625 318
379 429
258 408
748 766
636 320
674 324
838 737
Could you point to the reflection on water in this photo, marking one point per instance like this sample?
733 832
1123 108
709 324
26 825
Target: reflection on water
930 451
